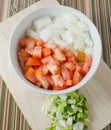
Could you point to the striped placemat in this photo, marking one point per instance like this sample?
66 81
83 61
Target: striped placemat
99 11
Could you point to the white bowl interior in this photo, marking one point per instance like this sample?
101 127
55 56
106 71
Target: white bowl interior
26 22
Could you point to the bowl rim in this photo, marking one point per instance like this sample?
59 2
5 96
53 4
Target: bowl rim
54 92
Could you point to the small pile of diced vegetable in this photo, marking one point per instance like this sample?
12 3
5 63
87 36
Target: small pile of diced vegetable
57 53
67 112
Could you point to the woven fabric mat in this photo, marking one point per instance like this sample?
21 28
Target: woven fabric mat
99 11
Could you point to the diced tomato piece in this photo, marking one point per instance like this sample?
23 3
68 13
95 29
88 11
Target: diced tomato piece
84 69
70 66
48 60
58 80
40 42
54 69
70 56
38 84
44 69
59 87
56 61
49 79
59 55
46 52
22 53
37 52
22 63
78 68
65 73
41 79
33 61
86 66
81 56
28 43
23 56
88 60
69 82
76 77
30 75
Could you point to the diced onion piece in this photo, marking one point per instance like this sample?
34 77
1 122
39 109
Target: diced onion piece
78 126
59 115
88 42
83 26
42 22
69 121
70 17
79 44
32 34
61 42
63 96
88 50
63 123
45 34
68 37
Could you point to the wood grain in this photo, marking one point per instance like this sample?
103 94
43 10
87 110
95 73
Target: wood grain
97 90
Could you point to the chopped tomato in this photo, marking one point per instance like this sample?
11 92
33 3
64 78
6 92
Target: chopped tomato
54 69
48 60
32 61
88 60
65 73
59 87
30 75
70 56
78 68
45 70
58 80
40 42
38 84
41 79
37 52
70 66
59 55
46 51
22 53
49 79
69 82
87 65
28 43
76 77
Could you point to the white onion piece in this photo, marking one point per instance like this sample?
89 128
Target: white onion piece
68 37
45 34
70 17
88 50
32 34
63 123
42 22
88 42
78 126
83 26
69 121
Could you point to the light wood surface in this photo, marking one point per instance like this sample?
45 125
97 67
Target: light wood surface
97 90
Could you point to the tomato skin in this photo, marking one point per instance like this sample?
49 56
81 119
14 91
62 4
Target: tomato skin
70 66
46 52
59 87
40 42
41 79
58 80
32 61
76 77
65 73
48 60
59 55
30 75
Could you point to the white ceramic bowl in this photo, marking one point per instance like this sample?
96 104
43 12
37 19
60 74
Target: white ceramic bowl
26 21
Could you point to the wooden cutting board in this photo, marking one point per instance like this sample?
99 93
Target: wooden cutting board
97 90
